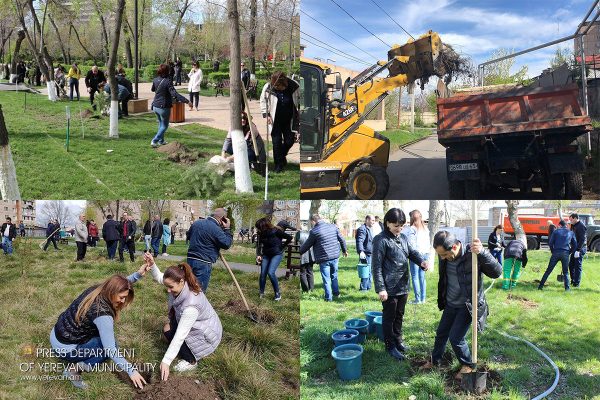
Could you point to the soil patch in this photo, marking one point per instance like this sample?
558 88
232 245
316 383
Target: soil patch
179 153
526 303
492 382
87 113
262 315
179 387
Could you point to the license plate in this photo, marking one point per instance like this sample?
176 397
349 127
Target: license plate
462 167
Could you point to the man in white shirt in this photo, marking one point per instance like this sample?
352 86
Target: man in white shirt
9 233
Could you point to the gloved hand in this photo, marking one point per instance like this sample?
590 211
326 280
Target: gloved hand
362 255
576 255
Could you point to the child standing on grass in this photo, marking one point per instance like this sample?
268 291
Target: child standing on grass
269 252
391 255
194 330
84 333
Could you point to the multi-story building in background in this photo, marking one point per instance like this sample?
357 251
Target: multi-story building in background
18 210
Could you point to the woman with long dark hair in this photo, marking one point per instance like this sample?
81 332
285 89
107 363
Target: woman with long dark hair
495 243
391 255
194 329
272 240
164 98
84 333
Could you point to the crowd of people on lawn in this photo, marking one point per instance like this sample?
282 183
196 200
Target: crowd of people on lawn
397 254
84 334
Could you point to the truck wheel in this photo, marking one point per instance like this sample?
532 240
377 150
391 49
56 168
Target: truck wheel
556 187
472 190
573 186
595 246
532 243
366 182
456 190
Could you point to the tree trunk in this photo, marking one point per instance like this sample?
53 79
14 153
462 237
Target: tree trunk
93 57
20 38
513 212
180 16
112 80
435 218
9 188
253 11
243 181
141 32
291 61
98 10
60 41
127 34
315 205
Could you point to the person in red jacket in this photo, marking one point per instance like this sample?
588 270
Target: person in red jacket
93 233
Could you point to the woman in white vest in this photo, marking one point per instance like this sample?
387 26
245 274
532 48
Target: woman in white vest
194 330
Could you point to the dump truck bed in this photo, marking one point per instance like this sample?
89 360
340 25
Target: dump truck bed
549 110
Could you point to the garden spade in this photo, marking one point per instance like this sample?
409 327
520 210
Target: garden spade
475 381
251 316
41 245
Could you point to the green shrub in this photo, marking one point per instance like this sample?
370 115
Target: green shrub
150 72
217 76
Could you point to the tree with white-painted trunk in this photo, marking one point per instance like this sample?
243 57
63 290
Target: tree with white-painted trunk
243 181
9 188
112 79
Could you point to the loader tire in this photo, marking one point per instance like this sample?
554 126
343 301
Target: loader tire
367 182
573 186
556 187
595 245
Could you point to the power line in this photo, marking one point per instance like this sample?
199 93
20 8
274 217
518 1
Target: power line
335 33
374 35
335 52
349 56
378 6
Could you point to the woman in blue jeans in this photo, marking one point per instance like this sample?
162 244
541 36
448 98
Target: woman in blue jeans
269 252
165 95
84 334
418 236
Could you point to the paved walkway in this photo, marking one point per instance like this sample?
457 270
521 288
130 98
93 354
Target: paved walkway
214 112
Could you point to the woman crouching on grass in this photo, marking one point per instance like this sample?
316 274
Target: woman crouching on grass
194 330
84 333
390 258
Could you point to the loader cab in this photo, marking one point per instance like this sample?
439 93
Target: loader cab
313 98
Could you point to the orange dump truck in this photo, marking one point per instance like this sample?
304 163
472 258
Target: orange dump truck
521 138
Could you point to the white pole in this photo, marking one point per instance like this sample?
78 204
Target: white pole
243 182
474 281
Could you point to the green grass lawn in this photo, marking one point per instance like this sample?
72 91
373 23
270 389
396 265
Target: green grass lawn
45 170
253 361
399 137
564 325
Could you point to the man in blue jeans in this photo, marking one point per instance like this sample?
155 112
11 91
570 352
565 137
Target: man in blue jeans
9 233
364 248
156 234
562 243
576 262
326 240
207 238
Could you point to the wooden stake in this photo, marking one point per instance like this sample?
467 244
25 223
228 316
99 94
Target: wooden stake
474 281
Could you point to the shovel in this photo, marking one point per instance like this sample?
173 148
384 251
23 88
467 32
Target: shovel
251 316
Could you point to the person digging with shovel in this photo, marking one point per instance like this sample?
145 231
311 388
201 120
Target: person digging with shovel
194 329
454 289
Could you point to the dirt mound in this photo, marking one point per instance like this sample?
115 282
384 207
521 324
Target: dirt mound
262 315
179 387
526 303
87 113
179 153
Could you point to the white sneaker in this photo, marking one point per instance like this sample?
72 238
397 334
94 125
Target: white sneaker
164 254
183 366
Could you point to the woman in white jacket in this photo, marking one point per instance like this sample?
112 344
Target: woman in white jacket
195 76
194 330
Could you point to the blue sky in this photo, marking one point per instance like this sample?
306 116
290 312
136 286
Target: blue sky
474 28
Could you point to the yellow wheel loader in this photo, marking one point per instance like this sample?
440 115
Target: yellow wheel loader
337 151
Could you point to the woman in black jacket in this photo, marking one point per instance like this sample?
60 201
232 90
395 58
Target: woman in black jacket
163 101
495 243
391 255
269 252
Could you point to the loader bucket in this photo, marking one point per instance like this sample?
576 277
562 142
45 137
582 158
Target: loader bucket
423 54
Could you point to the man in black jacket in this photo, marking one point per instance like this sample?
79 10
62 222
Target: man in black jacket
127 230
92 79
9 233
156 234
50 232
576 262
110 234
454 295
364 248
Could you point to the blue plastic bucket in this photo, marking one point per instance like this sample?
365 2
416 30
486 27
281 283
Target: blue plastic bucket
348 361
363 270
361 325
377 321
345 336
370 316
